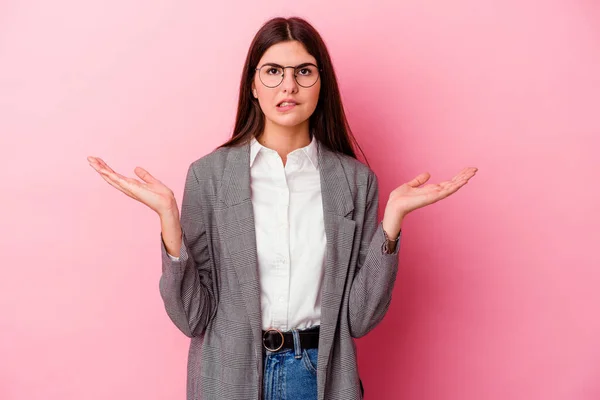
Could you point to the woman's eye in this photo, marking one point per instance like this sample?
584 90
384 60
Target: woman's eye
272 71
304 71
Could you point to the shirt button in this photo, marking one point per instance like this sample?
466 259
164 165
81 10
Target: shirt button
281 299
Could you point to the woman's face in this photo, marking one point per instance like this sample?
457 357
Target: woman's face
291 53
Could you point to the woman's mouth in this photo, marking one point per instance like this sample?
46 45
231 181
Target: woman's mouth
286 106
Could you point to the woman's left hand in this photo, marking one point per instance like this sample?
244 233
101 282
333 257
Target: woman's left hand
410 196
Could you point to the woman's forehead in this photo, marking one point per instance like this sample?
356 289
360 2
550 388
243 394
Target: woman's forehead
287 53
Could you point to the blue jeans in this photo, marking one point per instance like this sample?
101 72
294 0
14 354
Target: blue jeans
290 374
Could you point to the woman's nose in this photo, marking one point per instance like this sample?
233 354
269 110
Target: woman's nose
289 83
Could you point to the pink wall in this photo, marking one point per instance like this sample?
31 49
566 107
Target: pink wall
497 297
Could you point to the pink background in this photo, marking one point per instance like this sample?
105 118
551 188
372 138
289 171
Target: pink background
498 291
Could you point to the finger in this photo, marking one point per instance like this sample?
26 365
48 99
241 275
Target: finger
461 175
450 187
446 188
117 186
99 168
118 181
94 165
470 172
419 180
93 162
466 173
130 184
127 184
462 178
104 165
145 175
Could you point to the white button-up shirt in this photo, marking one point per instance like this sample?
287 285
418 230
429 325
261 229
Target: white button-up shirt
290 235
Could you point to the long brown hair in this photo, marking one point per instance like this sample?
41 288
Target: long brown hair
328 122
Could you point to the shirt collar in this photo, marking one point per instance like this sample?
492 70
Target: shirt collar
255 148
310 151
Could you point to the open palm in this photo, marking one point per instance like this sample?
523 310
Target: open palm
150 191
412 195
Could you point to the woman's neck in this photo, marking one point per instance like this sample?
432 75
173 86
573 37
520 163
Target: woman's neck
285 139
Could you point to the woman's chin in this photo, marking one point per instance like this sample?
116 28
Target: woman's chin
289 121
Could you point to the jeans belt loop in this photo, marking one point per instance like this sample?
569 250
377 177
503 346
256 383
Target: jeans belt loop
297 346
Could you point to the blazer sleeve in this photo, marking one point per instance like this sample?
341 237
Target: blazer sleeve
186 284
376 270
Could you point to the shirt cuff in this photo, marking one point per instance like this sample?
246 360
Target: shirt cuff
173 258
390 246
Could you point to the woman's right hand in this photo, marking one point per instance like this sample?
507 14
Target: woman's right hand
150 192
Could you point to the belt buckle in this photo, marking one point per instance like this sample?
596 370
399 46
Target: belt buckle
264 336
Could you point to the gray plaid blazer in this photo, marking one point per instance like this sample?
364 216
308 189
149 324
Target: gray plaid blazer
212 293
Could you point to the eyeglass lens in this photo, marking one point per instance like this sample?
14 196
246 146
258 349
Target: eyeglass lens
272 76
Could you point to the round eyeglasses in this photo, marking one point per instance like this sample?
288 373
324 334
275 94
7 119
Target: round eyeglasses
271 75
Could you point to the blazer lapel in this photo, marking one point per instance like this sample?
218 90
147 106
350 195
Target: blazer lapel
338 208
237 233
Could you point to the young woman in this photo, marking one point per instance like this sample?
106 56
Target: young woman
278 260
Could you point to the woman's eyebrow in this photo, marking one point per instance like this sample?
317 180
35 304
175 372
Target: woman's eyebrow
279 65
305 64
272 64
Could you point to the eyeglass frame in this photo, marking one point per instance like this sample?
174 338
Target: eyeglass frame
283 74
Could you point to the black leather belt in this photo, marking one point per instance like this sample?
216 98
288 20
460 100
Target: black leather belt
275 340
